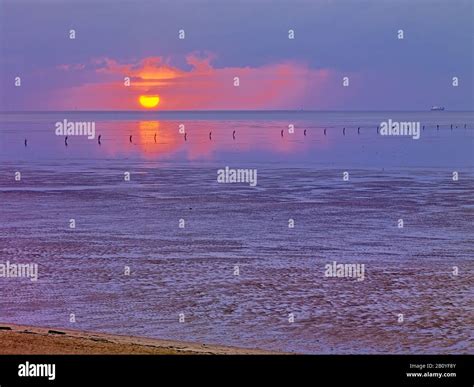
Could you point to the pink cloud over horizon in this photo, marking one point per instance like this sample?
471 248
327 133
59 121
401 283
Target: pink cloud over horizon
284 85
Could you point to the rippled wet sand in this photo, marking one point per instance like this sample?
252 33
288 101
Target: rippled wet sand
191 270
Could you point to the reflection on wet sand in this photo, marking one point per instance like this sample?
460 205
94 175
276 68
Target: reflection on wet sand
200 140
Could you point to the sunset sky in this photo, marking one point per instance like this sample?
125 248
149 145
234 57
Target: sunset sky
246 39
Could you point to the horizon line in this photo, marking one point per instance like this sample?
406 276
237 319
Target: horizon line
232 111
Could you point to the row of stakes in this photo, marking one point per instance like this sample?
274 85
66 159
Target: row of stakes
99 138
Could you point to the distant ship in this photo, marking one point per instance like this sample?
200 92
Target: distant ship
437 108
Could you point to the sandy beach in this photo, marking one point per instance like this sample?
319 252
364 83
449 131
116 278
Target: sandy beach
27 340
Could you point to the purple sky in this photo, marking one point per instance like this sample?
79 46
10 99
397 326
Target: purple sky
248 39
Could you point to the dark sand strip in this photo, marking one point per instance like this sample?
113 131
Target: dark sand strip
26 340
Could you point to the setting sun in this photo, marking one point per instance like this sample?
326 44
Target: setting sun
149 101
